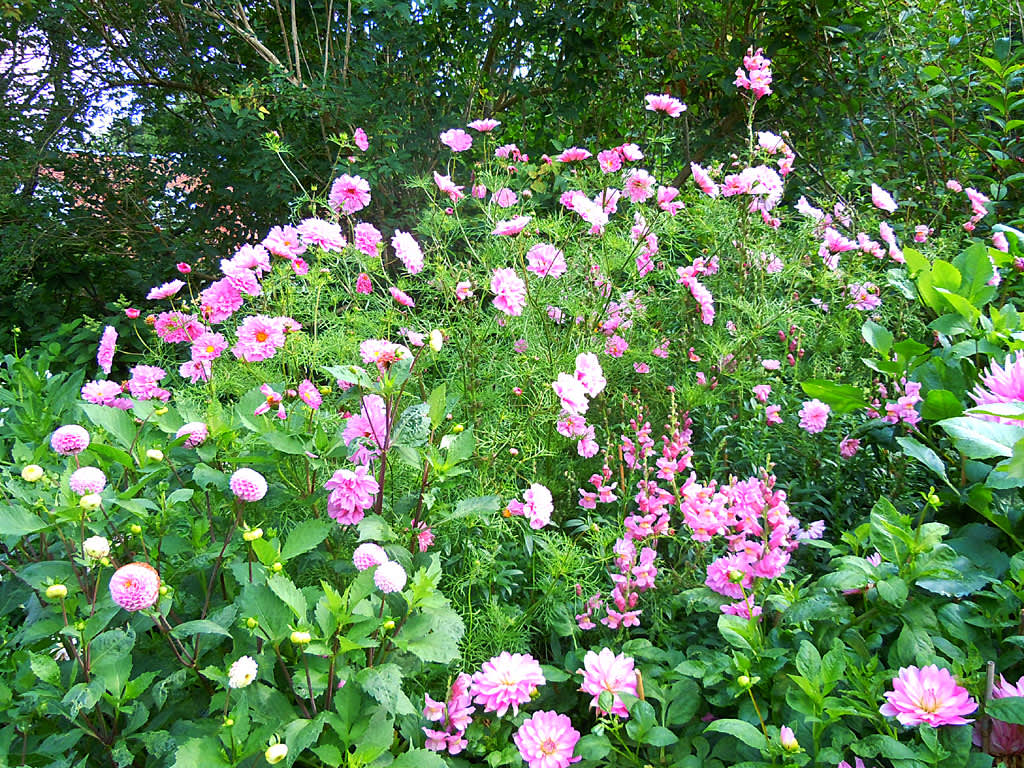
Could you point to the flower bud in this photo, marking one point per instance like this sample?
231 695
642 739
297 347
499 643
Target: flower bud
136 529
32 473
458 429
228 722
736 575
155 454
161 410
56 592
300 638
251 622
253 534
389 625
277 567
90 501
164 590
436 340
788 739
276 753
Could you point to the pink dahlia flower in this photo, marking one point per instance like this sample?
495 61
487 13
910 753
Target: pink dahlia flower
506 681
105 393
197 433
248 484
135 587
351 494
87 480
389 577
1006 738
605 671
349 194
368 555
1001 384
70 440
547 740
928 696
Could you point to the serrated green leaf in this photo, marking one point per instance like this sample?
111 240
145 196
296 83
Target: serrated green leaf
305 536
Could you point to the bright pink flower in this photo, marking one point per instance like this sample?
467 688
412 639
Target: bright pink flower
484 126
662 102
326 234
176 327
882 199
1001 384
814 415
504 198
457 139
220 300
132 313
408 251
999 242
446 185
704 181
463 290
105 353
367 238
616 346
571 394
401 297
273 399
254 257
954 186
928 696
208 346
1005 738
195 370
848 447
259 338
547 740
135 587
507 680
284 242
70 440
545 260
667 200
368 555
105 393
183 267
360 139
609 160
509 291
605 671
363 284
143 383
639 185
511 226
771 414
761 392
310 395
351 494
630 152
197 433
349 194
248 484
165 291
572 155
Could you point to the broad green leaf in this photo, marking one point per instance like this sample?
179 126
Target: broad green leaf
842 398
199 627
15 521
1009 709
305 536
978 439
292 596
877 336
741 729
925 455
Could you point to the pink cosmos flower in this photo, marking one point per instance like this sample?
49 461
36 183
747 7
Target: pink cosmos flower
408 251
143 383
349 194
259 338
401 297
616 346
284 242
220 300
545 260
183 267
165 291
360 139
630 152
176 327
704 181
507 680
639 185
848 447
928 696
197 433
208 346
273 399
310 395
605 671
457 139
547 740
363 284
572 155
105 393
589 373
463 290
367 238
814 415
771 365
922 232
326 234
105 353
511 226
761 392
609 160
667 200
882 199
351 494
446 185
538 506
509 291
857 763
195 370
135 587
484 126
662 102
254 257
504 198
999 242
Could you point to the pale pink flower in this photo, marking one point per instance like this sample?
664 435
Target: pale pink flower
616 346
609 160
511 226
326 234
105 393
248 484
220 300
401 297
208 346
788 739
538 505
367 238
254 257
547 740
589 373
507 680
771 365
667 200
922 232
105 353
639 185
310 395
704 181
761 392
196 370
572 155
509 291
457 139
814 415
771 414
479 191
408 251
368 555
143 383
70 440
165 291
630 152
1005 738
259 338
804 208
360 139
508 150
882 199
349 194
484 126
463 290
197 433
389 577
504 198
284 242
662 102
87 480
999 242
848 447
572 394
954 186
605 671
135 587
351 494
446 185
545 260
927 696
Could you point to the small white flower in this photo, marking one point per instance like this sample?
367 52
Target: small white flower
242 672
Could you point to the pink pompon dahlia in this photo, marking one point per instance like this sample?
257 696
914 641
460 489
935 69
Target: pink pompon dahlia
547 740
197 433
368 555
1001 384
248 484
605 671
135 587
507 680
928 696
70 440
389 577
87 480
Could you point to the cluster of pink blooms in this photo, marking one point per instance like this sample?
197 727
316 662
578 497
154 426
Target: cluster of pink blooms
705 301
978 207
905 407
754 520
352 493
928 696
106 393
774 145
865 296
536 506
574 393
454 715
757 78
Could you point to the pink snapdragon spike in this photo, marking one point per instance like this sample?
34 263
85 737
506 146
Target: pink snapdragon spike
457 140
105 353
606 671
135 587
928 696
547 740
662 102
506 681
1005 738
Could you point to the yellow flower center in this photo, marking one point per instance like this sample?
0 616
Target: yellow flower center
261 336
548 746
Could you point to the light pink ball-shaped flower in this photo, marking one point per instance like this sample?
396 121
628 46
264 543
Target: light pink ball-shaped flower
70 440
368 555
928 696
605 671
509 291
197 433
135 586
248 484
389 577
547 740
507 680
87 480
814 416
